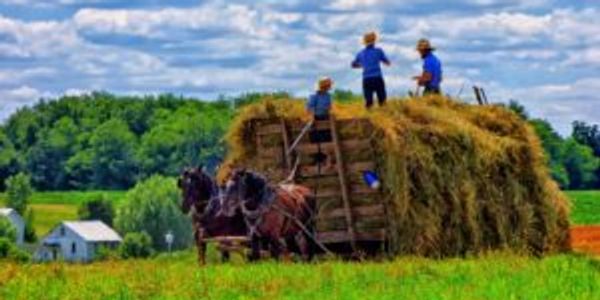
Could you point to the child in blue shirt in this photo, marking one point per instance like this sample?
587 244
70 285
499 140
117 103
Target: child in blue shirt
319 103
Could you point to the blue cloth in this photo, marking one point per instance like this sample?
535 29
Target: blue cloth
370 59
433 66
319 104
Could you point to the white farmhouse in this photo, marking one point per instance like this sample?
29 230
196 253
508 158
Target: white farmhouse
77 241
14 217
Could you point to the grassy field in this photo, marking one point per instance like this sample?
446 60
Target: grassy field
496 276
52 207
493 276
586 207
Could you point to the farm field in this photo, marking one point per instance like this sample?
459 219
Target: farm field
586 207
495 276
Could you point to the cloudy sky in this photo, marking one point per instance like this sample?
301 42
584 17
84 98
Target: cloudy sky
544 53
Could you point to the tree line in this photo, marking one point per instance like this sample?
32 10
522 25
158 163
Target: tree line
574 161
103 141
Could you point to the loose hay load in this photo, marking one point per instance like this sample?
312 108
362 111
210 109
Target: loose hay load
457 179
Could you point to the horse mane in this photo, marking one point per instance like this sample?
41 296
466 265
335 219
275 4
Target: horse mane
260 185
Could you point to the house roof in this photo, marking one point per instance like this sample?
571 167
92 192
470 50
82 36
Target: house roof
6 211
93 231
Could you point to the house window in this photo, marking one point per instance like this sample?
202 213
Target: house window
73 248
62 231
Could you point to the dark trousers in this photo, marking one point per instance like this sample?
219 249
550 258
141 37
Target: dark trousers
318 136
374 85
431 91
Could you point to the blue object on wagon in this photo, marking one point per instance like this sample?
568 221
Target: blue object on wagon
371 179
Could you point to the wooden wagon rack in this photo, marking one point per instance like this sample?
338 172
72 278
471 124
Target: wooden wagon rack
350 214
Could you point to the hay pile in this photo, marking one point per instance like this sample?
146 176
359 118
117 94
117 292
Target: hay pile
460 179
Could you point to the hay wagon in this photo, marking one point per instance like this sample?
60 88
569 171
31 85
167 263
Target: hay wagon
351 216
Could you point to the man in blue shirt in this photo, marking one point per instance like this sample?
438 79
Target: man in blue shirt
431 78
370 59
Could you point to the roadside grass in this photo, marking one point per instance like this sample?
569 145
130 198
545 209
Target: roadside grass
586 207
491 276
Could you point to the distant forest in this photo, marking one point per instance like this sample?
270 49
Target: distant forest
103 141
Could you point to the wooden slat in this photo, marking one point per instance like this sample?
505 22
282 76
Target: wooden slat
344 237
343 186
269 129
355 190
219 239
313 171
360 211
310 148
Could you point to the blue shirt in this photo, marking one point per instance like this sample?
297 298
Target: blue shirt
433 66
369 59
319 104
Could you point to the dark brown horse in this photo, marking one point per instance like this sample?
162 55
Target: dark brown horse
276 214
201 196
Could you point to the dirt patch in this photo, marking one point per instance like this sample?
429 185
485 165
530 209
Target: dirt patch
586 239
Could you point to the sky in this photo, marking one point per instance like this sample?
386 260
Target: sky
545 54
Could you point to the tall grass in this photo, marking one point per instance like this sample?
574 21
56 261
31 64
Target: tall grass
492 276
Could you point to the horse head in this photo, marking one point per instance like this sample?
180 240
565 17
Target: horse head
196 186
244 189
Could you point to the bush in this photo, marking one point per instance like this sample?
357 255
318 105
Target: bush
106 253
100 208
6 245
7 230
152 206
8 250
136 245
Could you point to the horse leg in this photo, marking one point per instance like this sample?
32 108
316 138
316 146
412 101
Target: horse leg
276 247
254 248
201 245
225 256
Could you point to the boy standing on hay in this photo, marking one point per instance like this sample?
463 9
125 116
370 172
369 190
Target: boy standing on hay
319 105
431 78
370 59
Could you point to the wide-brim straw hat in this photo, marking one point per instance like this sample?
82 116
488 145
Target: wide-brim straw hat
324 84
424 44
370 38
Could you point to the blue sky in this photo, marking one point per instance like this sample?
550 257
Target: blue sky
546 54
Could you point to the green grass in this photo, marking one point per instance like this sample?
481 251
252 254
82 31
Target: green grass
49 215
70 197
586 207
495 276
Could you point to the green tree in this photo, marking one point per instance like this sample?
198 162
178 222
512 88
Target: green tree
113 155
136 245
152 206
7 230
19 191
100 208
9 162
580 164
554 149
30 235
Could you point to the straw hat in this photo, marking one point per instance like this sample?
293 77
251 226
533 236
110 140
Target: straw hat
324 84
370 38
424 44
